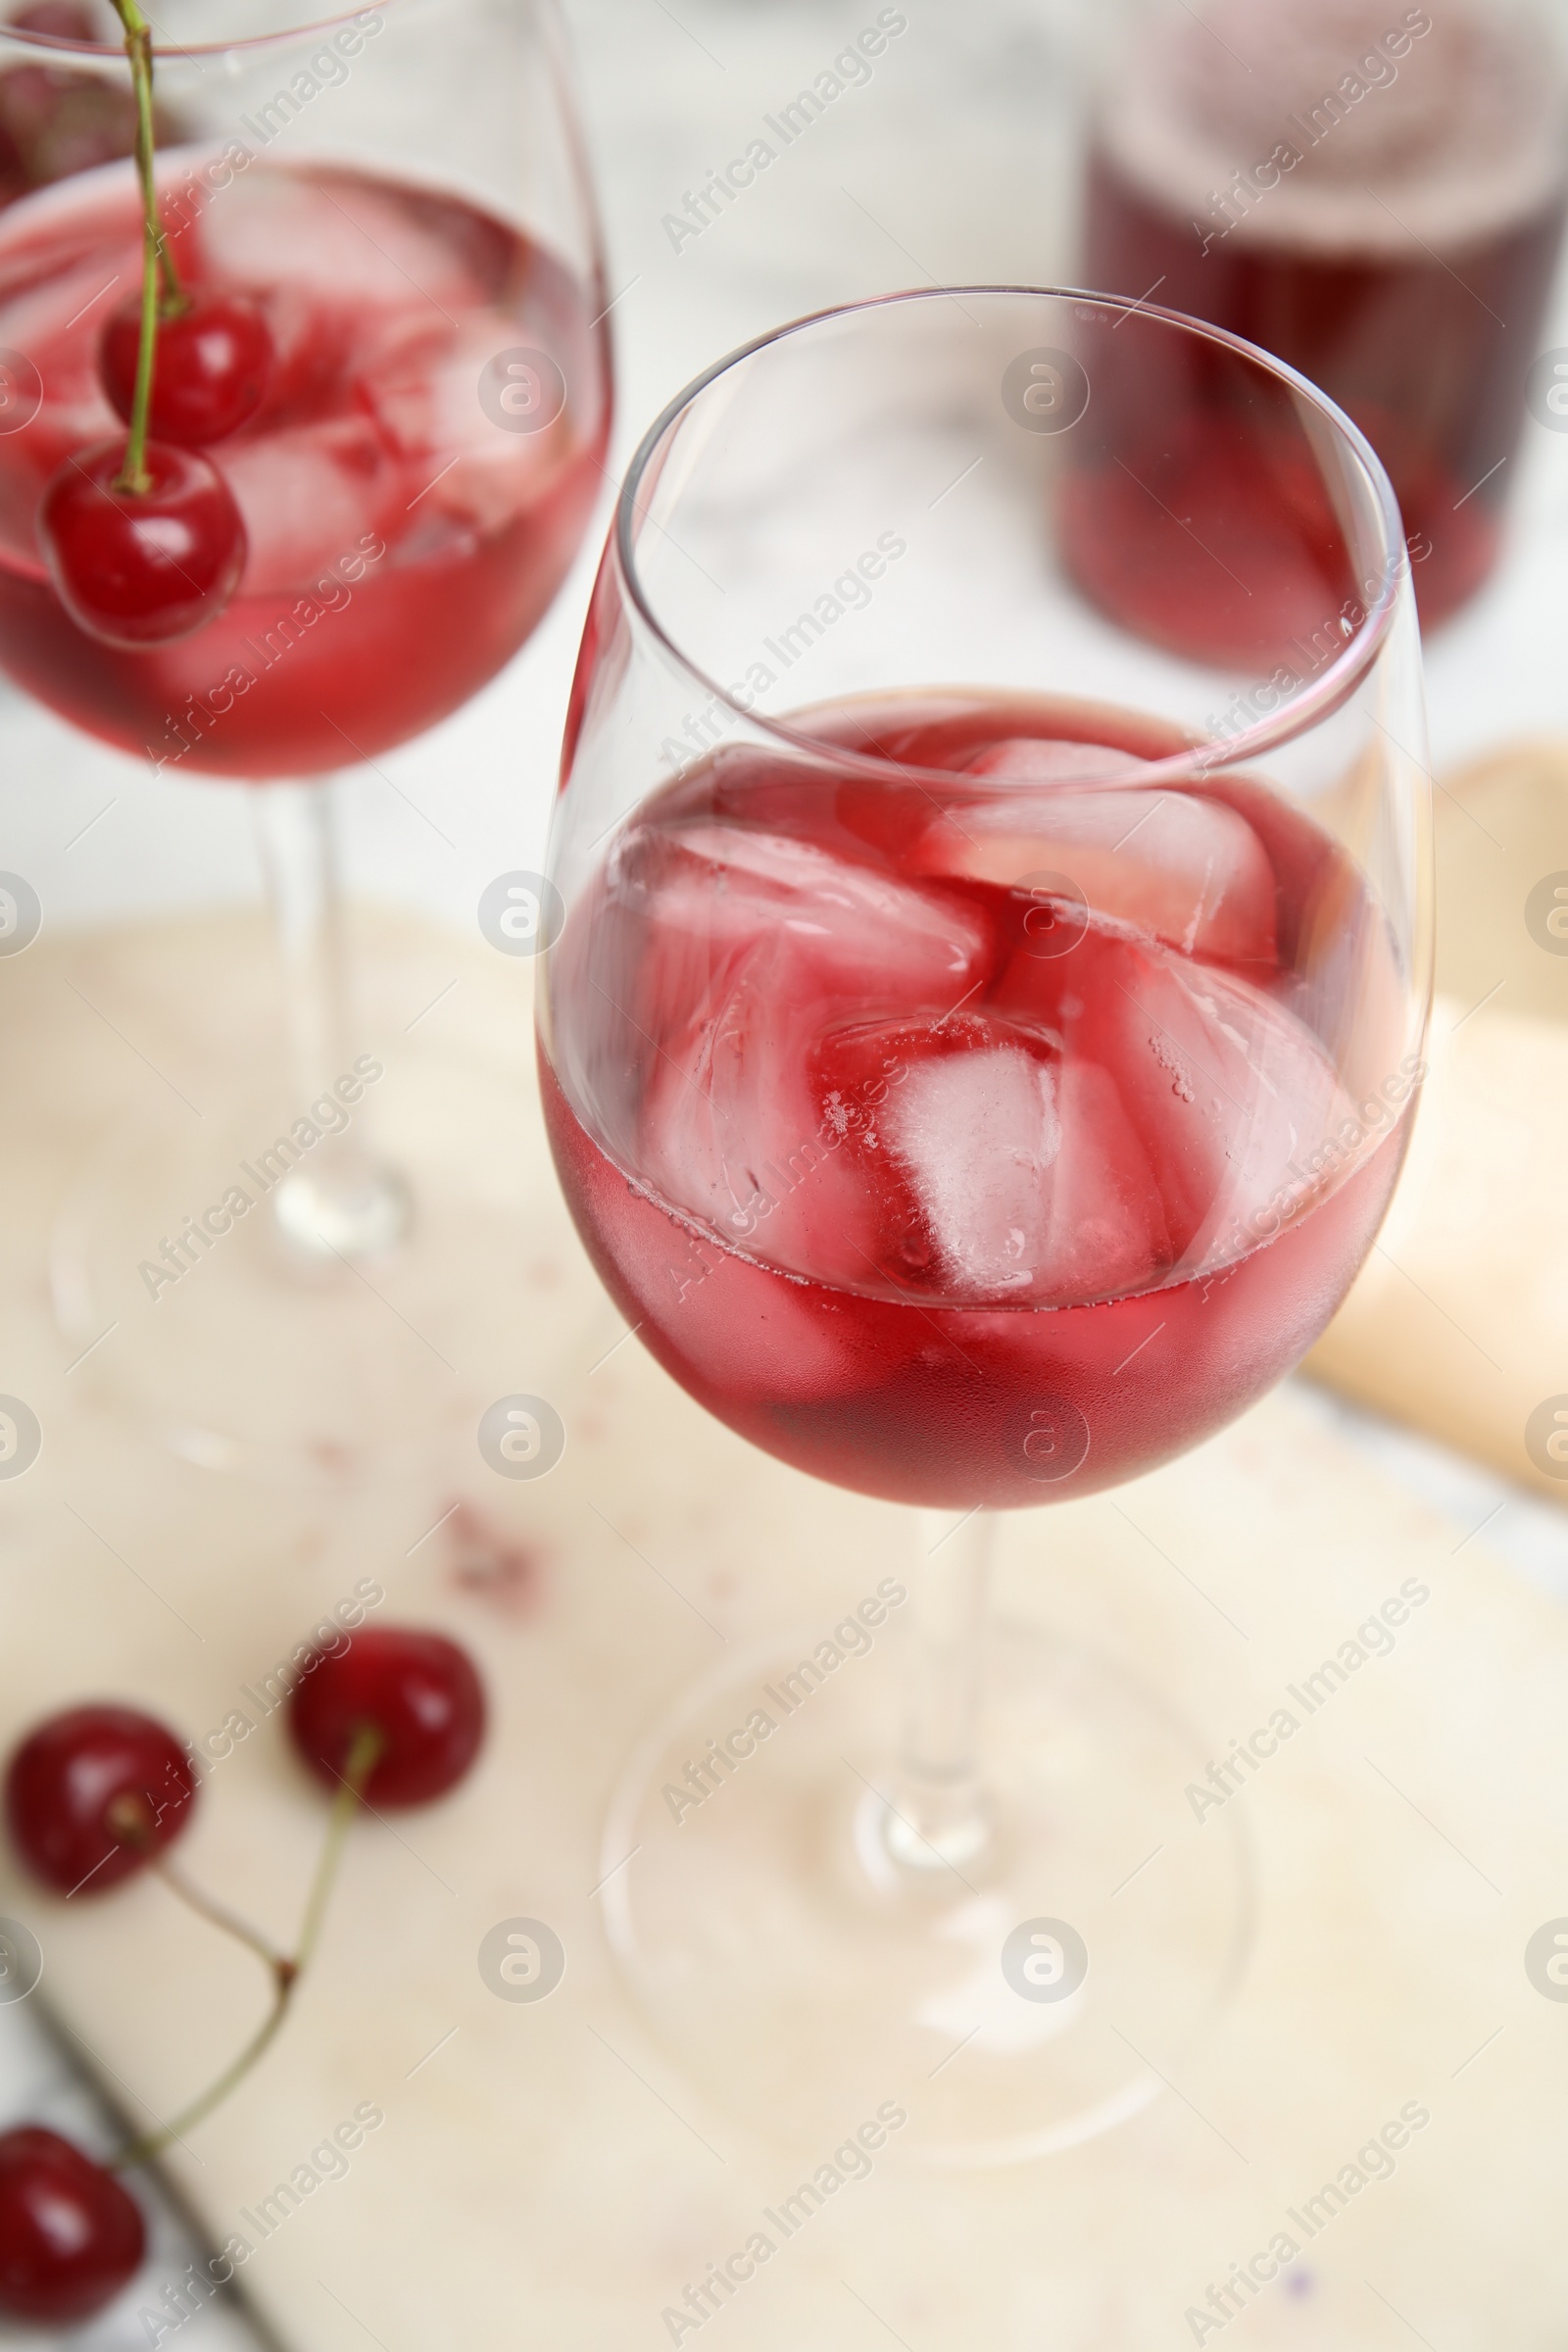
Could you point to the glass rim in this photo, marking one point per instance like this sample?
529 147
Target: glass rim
54 45
1318 700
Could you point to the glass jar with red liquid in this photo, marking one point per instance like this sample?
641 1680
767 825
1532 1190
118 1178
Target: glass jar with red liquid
1376 195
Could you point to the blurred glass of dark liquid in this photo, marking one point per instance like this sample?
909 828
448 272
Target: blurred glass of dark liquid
1375 194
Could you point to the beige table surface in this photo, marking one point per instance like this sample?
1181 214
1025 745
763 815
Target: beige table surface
541 2175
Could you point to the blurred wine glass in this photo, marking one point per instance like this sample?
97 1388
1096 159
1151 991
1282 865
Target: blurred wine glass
399 196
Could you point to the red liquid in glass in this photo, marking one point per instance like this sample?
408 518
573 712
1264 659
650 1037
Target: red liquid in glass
972 1148
1403 260
401 544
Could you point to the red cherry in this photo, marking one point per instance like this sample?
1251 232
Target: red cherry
141 568
69 2236
210 368
89 1792
420 1692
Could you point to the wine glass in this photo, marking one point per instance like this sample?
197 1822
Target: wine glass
978 1053
391 206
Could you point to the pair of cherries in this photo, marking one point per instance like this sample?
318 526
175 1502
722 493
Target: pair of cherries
94 1794
139 569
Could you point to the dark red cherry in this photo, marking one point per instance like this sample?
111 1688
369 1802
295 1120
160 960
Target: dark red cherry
89 1792
210 368
141 568
420 1692
69 2236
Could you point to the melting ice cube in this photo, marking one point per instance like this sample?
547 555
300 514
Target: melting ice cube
421 390
309 497
339 237
718 959
1022 1168
1227 1093
1187 868
976 1136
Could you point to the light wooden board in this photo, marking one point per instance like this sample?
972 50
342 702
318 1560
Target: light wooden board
541 2175
1459 1323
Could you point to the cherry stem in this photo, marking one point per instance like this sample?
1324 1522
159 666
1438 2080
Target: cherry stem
365 1750
135 1826
216 1915
157 262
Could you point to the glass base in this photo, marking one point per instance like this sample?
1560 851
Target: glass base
811 1971
353 1206
305 1311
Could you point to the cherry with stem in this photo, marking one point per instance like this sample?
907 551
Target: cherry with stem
71 2236
192 367
98 1792
143 542
286 1967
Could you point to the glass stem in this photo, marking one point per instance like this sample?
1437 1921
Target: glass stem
943 1817
338 1202
296 838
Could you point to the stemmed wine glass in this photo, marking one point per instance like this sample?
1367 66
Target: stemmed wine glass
978 1053
384 339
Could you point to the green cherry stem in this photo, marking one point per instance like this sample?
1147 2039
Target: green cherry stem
287 1970
157 263
364 1751
134 1825
215 1914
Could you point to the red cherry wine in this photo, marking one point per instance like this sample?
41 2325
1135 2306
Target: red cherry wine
1376 197
982 1138
402 538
